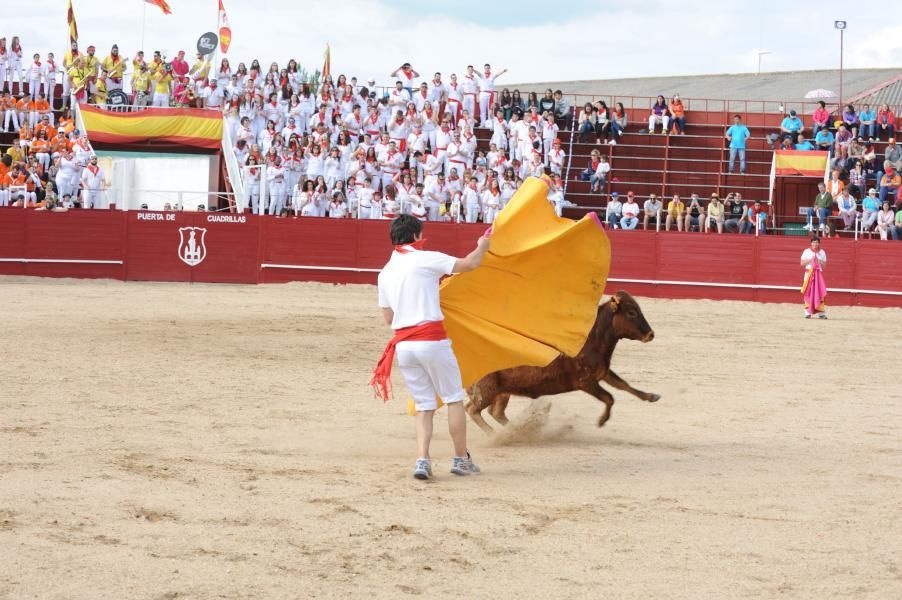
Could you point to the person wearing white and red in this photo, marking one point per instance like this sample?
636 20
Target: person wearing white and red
48 74
455 97
487 93
407 75
455 154
629 213
390 161
92 182
214 96
470 87
555 158
34 71
409 299
398 130
275 178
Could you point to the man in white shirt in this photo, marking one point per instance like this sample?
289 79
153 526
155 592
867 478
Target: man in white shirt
93 182
487 93
213 95
409 299
630 212
613 211
470 90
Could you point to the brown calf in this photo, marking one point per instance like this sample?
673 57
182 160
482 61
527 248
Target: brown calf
618 318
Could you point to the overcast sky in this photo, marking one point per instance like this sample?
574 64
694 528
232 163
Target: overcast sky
535 41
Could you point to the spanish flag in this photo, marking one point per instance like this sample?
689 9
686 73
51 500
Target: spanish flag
327 63
194 127
800 163
225 32
162 4
73 28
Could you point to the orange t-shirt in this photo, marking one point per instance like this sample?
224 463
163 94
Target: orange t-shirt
4 171
6 103
9 180
39 145
47 129
23 105
42 106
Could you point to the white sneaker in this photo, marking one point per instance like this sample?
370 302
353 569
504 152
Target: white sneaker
423 469
613 142
464 465
822 316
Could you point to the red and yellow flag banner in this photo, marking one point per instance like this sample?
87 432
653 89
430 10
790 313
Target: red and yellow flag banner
195 127
327 63
73 28
800 163
225 32
162 5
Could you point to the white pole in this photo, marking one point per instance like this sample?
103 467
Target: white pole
262 201
857 223
658 221
143 25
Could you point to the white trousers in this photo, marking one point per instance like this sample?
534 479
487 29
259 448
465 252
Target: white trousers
485 101
161 100
277 198
430 370
653 119
92 199
11 115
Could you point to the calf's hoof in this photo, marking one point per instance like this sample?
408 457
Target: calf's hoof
653 397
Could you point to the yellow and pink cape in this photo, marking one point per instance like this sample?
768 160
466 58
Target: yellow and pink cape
536 294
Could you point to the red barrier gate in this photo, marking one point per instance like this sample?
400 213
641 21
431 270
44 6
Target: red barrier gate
229 248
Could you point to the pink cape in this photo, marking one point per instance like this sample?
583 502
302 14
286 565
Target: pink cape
814 289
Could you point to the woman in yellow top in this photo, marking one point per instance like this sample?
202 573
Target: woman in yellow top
715 214
101 89
678 115
675 211
162 80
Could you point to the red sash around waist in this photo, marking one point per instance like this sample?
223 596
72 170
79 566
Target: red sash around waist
431 331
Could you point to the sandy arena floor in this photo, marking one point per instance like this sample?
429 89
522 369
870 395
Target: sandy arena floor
169 441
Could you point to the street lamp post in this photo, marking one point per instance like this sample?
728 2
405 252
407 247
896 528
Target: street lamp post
760 54
841 25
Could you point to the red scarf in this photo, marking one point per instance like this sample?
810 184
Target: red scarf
431 331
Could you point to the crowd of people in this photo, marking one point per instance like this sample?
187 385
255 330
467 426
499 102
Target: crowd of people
732 215
344 149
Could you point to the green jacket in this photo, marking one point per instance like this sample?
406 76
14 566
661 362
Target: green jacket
824 200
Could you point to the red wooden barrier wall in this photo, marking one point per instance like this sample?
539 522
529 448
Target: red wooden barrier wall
145 246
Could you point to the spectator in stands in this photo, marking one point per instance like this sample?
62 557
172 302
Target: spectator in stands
804 145
738 134
897 225
848 209
889 184
715 214
562 108
603 122
587 122
757 214
850 119
652 210
835 184
532 101
546 104
630 212
736 211
675 213
678 115
868 122
613 211
843 139
820 118
824 140
892 156
618 123
823 206
870 205
599 178
885 220
790 128
695 214
659 114
886 123
857 176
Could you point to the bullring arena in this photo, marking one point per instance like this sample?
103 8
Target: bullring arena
214 441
